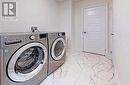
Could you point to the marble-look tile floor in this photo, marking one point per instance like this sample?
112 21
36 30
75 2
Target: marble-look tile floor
83 69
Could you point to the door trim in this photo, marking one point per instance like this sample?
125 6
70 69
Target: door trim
107 26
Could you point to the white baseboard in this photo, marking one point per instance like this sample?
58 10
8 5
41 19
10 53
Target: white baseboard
117 77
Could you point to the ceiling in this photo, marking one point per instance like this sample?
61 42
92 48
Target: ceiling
65 0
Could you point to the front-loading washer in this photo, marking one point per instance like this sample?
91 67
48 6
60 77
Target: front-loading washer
23 58
57 50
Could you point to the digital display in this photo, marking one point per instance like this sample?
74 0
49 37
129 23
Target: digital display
43 35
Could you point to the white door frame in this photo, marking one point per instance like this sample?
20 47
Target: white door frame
107 27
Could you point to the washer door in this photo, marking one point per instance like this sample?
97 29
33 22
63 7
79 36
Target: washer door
27 62
58 49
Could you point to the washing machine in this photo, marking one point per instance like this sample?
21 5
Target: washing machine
23 58
57 50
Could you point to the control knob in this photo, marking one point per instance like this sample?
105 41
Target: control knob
32 37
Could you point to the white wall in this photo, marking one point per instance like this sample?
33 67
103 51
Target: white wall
78 19
41 13
65 21
122 39
47 15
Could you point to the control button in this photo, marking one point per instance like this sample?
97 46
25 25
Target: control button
32 37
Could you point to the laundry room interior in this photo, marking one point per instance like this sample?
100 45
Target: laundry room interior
93 36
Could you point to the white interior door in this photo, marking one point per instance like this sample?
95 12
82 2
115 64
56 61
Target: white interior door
94 33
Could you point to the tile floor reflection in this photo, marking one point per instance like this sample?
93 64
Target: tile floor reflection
83 69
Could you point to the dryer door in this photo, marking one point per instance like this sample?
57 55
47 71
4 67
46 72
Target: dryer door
27 62
58 49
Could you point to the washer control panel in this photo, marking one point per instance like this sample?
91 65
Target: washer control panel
12 39
13 42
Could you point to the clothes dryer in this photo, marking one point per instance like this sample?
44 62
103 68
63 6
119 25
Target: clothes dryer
57 50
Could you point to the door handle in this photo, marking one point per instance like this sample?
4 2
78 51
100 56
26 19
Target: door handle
112 33
84 32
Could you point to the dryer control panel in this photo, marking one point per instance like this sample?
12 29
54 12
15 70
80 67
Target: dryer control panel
61 34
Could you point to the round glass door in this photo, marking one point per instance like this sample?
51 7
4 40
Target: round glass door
58 49
27 62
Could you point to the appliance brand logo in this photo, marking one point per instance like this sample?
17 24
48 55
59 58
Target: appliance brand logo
8 9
